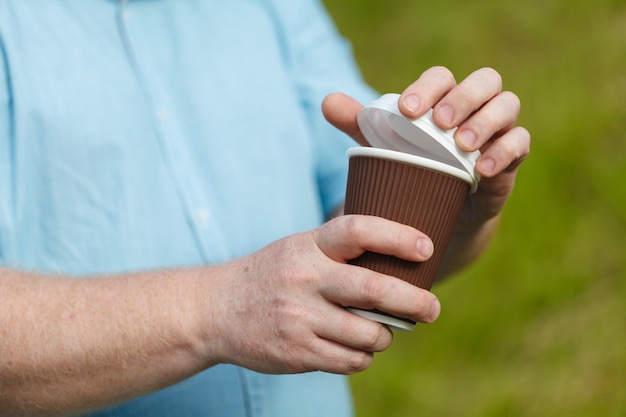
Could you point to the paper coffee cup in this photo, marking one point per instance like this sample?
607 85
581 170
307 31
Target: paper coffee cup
414 175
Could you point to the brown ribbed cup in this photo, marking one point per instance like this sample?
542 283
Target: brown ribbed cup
428 200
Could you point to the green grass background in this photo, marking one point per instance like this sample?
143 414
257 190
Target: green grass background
537 327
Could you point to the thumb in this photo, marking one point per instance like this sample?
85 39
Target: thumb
341 111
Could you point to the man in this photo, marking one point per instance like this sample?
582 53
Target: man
166 174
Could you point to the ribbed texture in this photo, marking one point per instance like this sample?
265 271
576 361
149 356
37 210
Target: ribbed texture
427 200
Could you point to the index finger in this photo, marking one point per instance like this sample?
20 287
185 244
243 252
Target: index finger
428 89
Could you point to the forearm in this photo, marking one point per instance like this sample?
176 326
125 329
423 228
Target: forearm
466 246
69 345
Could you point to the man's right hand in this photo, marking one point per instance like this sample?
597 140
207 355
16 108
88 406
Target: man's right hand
280 310
69 345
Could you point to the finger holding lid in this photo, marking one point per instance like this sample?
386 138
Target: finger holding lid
493 119
470 95
428 89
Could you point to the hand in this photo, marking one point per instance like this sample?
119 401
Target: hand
485 116
280 310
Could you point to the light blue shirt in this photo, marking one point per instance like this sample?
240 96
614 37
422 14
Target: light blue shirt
147 134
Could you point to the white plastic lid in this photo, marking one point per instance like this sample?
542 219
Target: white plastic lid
385 127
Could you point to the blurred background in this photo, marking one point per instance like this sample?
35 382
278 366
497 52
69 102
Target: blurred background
537 327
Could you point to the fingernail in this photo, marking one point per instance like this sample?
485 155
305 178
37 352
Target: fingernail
411 102
487 166
467 138
446 114
425 247
435 310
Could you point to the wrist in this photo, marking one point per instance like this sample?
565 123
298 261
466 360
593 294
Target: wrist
207 331
468 242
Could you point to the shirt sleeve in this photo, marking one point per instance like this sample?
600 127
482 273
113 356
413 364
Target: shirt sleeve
321 61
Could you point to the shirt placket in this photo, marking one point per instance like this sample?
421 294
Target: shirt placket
194 195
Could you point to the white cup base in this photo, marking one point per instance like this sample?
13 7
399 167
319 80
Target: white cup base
392 322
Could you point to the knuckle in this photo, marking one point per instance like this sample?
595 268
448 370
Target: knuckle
466 93
510 105
439 75
353 227
524 138
404 235
371 289
291 313
512 98
444 73
517 147
492 75
422 304
510 149
373 339
358 362
482 123
521 152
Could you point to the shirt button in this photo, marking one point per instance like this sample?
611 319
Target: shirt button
202 218
163 115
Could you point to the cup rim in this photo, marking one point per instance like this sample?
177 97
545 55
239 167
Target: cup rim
384 126
415 160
